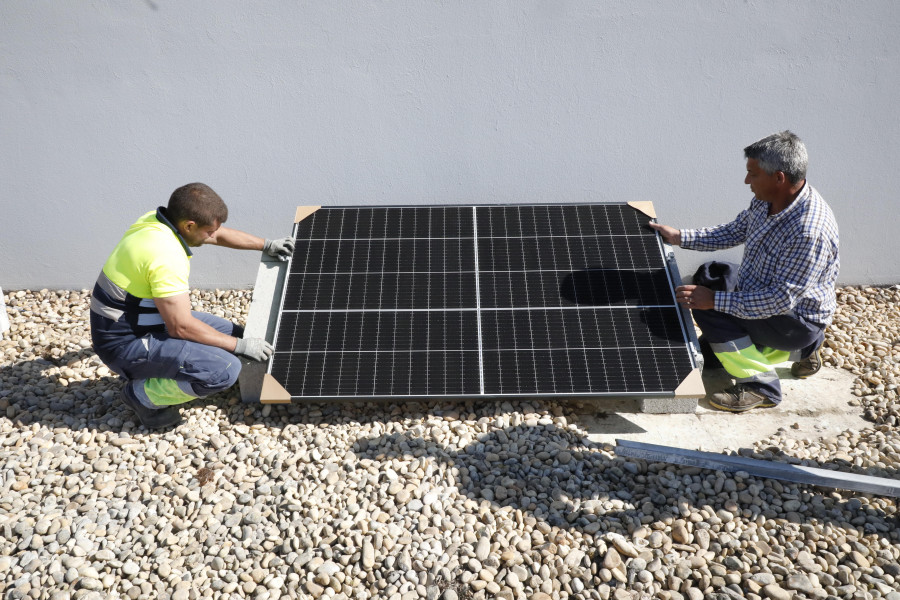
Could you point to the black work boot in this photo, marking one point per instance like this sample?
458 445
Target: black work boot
150 418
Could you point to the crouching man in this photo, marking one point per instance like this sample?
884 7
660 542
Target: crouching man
776 305
142 325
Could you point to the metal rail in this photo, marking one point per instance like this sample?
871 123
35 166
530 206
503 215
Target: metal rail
760 468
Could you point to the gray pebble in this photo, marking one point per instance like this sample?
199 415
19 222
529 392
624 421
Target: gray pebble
404 501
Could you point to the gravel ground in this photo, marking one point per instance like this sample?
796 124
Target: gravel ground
453 501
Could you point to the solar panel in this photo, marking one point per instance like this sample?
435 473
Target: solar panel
469 301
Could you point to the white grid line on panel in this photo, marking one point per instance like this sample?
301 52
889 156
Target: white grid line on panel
587 366
463 237
410 375
478 301
396 302
344 336
330 315
543 288
501 349
472 309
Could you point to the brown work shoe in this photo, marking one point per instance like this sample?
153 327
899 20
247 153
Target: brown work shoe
809 366
739 398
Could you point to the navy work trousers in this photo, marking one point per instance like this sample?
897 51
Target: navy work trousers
727 333
200 370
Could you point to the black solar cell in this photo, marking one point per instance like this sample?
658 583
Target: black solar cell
546 299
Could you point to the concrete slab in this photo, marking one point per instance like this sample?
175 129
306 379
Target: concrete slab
812 408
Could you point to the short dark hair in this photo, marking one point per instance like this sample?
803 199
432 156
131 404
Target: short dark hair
782 151
196 202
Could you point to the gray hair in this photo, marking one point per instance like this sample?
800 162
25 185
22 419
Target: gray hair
781 151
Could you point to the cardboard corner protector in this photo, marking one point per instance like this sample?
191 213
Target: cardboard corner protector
304 211
272 392
691 386
645 207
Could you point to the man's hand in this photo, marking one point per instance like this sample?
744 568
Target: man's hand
695 297
669 234
254 348
281 249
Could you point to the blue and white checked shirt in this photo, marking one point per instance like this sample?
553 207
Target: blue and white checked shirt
790 261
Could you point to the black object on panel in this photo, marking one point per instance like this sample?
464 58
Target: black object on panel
464 301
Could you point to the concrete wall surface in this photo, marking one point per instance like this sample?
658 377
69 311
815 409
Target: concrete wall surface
106 107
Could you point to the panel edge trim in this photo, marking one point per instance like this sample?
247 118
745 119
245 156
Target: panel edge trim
304 211
691 386
272 392
645 207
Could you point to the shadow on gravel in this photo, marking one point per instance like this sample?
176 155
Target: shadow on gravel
568 482
48 390
566 492
552 473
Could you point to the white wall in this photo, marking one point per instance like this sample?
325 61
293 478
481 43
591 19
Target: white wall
106 107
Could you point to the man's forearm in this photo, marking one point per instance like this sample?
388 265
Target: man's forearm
195 330
233 238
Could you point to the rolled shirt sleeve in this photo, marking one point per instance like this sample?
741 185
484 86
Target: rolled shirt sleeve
720 237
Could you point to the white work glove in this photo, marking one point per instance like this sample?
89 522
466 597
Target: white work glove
281 249
254 348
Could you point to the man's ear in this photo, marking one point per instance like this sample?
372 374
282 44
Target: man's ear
780 178
186 226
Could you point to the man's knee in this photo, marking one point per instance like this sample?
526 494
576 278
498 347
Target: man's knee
221 377
231 372
717 326
208 369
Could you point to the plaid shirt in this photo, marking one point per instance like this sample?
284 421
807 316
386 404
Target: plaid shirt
790 261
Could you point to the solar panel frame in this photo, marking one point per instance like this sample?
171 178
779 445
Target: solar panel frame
444 369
